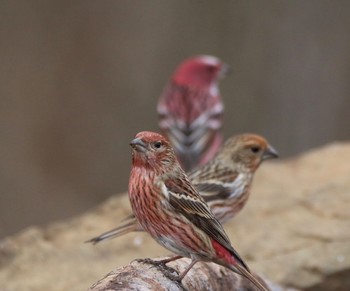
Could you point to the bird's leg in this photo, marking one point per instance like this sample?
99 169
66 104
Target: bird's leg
168 260
161 265
183 274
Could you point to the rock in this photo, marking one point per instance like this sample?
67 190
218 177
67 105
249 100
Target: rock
295 231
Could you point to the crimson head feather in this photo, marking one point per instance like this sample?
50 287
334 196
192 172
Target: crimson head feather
151 149
200 71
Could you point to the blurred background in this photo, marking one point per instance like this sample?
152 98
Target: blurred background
78 79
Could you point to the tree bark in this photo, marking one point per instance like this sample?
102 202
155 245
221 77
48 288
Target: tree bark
141 275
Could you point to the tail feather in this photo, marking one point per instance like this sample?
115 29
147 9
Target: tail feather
245 273
129 217
129 225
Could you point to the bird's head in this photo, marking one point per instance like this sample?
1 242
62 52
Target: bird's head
200 71
152 150
248 150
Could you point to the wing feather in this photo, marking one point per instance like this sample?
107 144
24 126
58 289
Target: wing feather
186 200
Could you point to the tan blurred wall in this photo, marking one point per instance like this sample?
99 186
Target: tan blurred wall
79 78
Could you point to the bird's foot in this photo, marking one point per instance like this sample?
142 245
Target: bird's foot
169 273
161 265
159 262
148 261
156 263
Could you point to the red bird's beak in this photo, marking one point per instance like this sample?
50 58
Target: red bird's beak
138 145
270 153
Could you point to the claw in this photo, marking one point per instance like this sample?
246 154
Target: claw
161 265
170 275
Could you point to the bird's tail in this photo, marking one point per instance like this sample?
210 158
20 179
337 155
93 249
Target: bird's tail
244 272
129 224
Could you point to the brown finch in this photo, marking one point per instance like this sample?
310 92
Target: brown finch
224 182
170 209
190 110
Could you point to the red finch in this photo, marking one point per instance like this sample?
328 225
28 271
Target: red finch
224 182
170 209
190 110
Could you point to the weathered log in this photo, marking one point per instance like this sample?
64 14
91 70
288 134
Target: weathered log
141 275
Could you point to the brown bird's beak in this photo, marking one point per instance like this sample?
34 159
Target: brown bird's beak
270 153
138 145
224 70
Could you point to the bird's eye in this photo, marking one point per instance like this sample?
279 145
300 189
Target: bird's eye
255 149
211 68
157 144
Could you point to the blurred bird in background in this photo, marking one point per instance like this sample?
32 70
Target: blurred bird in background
190 110
224 182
